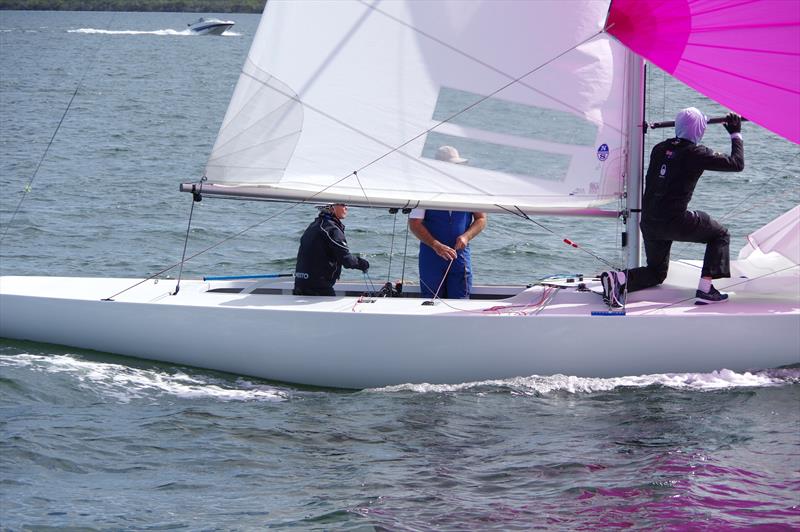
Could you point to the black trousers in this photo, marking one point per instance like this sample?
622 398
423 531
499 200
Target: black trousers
691 226
298 291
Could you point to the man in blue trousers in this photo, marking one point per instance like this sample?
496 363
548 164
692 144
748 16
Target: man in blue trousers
444 254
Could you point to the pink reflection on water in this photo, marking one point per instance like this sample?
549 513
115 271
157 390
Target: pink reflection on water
684 491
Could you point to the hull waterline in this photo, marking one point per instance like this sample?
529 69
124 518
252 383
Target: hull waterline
348 342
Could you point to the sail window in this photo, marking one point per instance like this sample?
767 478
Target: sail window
501 157
511 118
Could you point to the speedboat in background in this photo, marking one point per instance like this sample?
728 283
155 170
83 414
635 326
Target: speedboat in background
210 26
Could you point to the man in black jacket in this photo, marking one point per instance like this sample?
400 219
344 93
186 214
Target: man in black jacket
675 167
323 251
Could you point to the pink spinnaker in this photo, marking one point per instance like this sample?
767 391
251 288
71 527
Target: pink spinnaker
744 54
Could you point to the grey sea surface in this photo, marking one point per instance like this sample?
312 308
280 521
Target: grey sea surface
94 441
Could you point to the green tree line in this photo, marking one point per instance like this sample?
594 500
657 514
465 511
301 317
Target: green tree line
194 6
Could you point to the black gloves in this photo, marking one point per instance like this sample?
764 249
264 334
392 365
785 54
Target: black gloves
733 123
363 264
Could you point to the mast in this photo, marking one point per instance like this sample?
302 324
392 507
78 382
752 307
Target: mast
633 172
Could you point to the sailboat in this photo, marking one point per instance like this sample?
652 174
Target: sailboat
349 101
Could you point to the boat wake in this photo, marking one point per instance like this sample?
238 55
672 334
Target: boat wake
125 384
538 385
168 32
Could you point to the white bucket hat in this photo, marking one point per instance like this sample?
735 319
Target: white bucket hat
449 154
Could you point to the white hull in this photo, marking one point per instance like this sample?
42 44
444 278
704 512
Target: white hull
213 30
342 342
211 27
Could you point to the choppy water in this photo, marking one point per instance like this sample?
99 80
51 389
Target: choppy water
96 441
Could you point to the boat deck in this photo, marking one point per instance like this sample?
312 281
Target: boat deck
565 297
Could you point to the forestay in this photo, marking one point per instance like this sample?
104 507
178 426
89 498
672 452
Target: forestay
349 101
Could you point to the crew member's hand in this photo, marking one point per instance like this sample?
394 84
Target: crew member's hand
733 123
446 252
363 264
461 242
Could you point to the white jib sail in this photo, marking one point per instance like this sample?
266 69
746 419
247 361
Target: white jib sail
530 93
781 237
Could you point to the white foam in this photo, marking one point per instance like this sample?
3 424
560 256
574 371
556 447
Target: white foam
171 32
535 384
93 31
125 383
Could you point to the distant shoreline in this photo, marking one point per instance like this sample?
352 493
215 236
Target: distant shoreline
192 6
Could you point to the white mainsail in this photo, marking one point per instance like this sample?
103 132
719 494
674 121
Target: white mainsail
349 101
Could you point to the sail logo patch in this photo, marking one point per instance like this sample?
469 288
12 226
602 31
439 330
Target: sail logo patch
602 152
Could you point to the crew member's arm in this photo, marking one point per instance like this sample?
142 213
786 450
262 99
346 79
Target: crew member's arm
338 245
477 225
710 160
417 226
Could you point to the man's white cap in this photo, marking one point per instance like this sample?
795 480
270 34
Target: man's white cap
449 154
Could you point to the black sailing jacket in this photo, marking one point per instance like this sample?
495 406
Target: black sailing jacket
675 167
323 251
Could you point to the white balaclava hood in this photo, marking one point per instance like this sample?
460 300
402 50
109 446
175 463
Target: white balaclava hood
690 124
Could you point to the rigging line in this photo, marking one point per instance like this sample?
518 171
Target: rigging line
369 202
548 294
231 237
397 148
760 190
392 150
369 285
185 243
481 100
435 126
487 65
28 187
761 187
366 135
391 248
334 50
444 278
374 139
547 301
405 255
757 205
209 248
519 212
728 287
